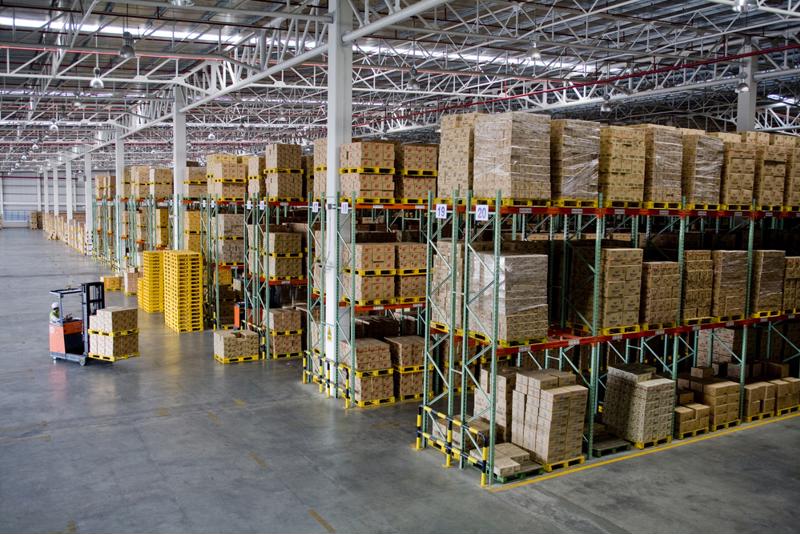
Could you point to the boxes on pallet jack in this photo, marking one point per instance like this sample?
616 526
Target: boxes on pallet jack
114 334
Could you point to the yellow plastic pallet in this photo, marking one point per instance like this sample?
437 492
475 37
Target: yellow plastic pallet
726 318
652 443
408 369
737 207
630 204
758 416
366 170
789 409
761 314
514 202
549 467
698 321
657 326
690 433
117 333
419 173
720 426
238 359
286 356
656 205
105 358
370 272
575 203
375 402
410 272
767 207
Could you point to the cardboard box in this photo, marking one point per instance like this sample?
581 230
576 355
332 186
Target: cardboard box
410 286
406 351
235 343
116 346
417 157
366 154
284 319
456 152
412 187
371 354
767 291
282 156
411 255
738 170
791 187
114 319
660 294
370 256
663 162
730 283
770 176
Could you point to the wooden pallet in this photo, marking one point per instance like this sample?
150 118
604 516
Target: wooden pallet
549 467
652 443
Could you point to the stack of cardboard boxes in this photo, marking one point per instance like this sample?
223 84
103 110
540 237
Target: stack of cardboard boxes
770 177
234 346
620 286
787 392
622 164
445 262
702 166
228 232
368 387
35 220
368 170
638 405
512 156
738 171
192 230
112 282
698 277
660 293
160 182
414 168
574 159
114 334
320 167
410 263
547 414
195 182
140 181
283 172
766 293
791 187
791 284
285 328
130 281
729 297
663 163
255 175
408 354
371 261
456 153
104 186
522 312
227 176
690 417
759 398
282 258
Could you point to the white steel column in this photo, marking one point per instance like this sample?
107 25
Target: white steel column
88 192
746 100
119 174
56 200
46 184
70 192
2 200
340 120
178 164
39 194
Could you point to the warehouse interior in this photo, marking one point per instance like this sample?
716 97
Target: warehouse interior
320 266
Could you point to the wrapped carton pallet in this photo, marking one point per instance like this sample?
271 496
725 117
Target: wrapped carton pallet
663 163
522 312
283 319
235 344
791 189
620 287
110 348
547 414
791 284
228 225
730 281
456 152
702 166
282 156
738 170
787 392
727 137
416 157
755 398
230 250
766 293
284 243
574 159
660 293
622 164
370 288
698 277
285 345
770 177
638 406
408 385
512 156
192 221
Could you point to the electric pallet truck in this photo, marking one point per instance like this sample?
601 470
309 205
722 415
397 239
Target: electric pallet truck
69 337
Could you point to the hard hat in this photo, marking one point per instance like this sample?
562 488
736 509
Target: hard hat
54 305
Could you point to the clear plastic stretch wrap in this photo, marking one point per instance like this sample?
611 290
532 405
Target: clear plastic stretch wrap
574 159
791 283
522 295
660 292
770 175
512 155
663 163
768 273
455 154
702 168
622 163
698 278
730 282
791 190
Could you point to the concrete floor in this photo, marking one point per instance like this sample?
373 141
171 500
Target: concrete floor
174 442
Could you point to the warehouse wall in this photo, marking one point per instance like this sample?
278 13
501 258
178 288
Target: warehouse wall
19 196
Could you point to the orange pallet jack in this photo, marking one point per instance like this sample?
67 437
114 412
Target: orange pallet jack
69 337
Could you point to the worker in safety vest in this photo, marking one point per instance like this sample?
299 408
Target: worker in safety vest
55 317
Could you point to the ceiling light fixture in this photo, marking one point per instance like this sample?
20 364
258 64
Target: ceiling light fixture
742 87
211 136
182 3
53 126
605 107
127 51
533 52
35 146
413 83
744 6
24 157
97 82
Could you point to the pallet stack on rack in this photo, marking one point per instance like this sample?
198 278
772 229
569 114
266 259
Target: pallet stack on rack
702 169
407 362
456 153
791 285
370 381
367 171
255 175
192 230
227 231
283 173
284 326
317 191
791 189
227 177
114 334
728 297
660 297
698 277
574 162
663 165
195 183
183 290
770 177
235 346
415 168
622 166
738 173
150 286
766 294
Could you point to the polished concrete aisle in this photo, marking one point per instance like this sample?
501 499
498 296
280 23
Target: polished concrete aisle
174 442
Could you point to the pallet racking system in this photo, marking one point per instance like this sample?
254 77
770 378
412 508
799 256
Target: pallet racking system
471 221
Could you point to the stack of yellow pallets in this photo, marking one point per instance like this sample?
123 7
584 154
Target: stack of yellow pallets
183 290
150 286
